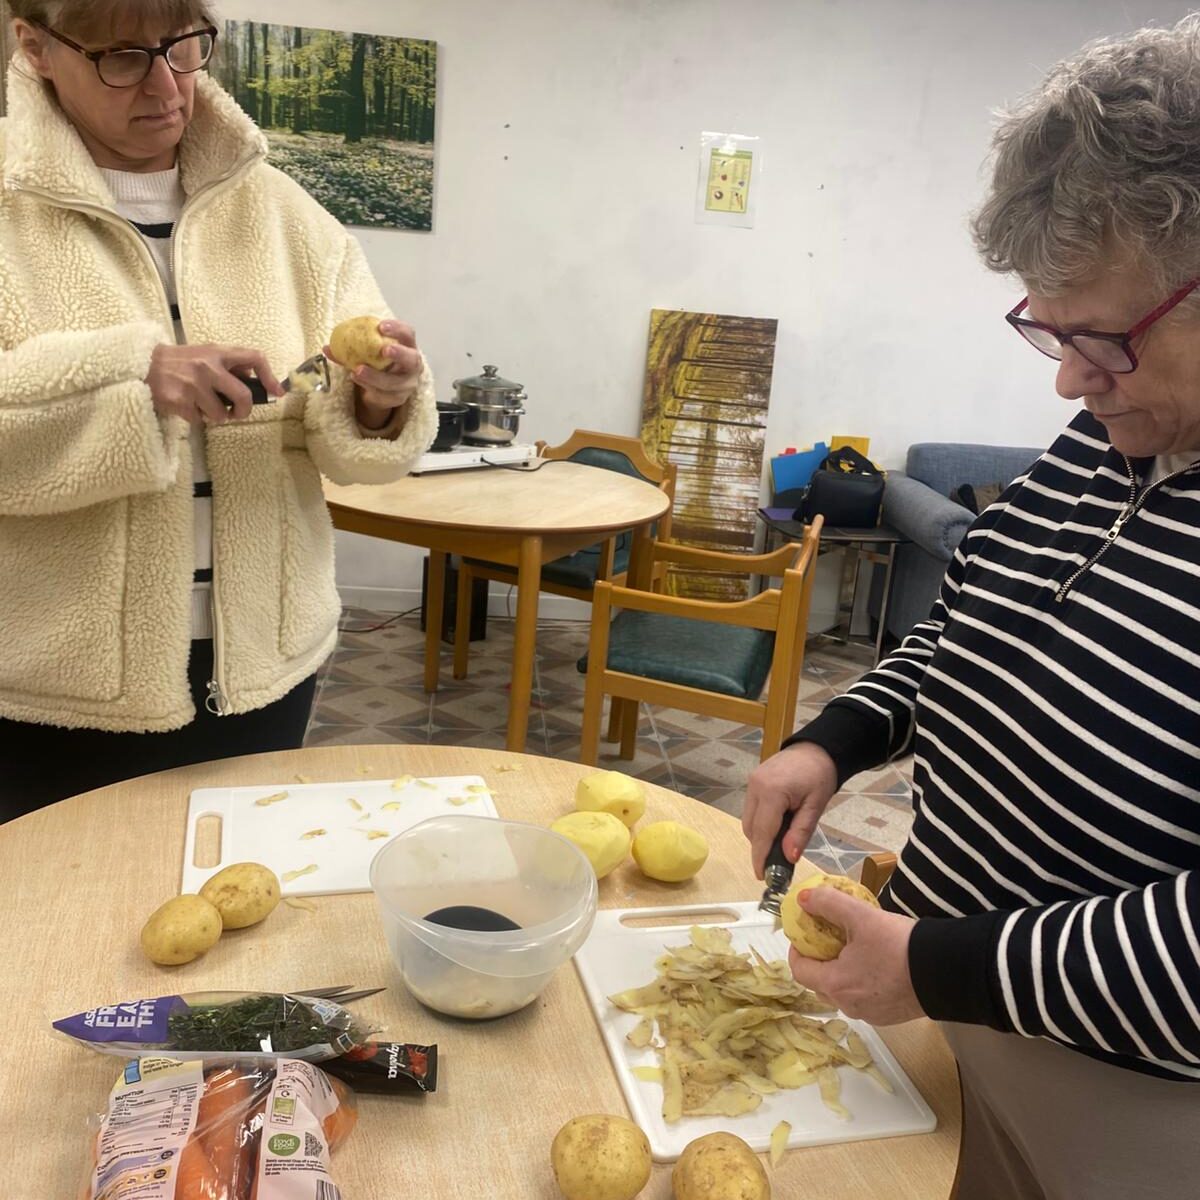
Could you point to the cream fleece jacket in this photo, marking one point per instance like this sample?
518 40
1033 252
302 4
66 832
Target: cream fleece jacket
95 488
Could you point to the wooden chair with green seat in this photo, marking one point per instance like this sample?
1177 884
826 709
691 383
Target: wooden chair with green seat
574 575
704 656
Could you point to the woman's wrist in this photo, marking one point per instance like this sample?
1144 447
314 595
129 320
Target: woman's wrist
378 420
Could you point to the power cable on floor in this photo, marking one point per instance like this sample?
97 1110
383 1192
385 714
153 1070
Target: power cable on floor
382 624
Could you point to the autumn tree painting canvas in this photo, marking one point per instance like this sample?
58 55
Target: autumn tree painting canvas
350 116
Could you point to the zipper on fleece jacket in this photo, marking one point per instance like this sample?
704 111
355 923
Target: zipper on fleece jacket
1130 509
215 701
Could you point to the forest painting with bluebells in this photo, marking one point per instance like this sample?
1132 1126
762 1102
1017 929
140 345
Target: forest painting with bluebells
349 116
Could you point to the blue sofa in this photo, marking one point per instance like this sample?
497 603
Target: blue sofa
916 501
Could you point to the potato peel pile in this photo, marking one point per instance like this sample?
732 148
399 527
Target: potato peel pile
734 1028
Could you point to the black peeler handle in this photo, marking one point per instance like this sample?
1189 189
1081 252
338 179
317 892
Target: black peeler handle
776 856
777 870
258 390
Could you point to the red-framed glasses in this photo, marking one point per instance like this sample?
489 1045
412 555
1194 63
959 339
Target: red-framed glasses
1112 352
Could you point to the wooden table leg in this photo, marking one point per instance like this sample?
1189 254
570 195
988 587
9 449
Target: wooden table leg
641 559
529 579
435 598
624 721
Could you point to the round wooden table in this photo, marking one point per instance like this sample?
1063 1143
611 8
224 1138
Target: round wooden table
82 876
518 517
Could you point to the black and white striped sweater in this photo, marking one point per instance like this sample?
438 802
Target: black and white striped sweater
1052 702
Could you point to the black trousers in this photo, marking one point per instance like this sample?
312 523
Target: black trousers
42 764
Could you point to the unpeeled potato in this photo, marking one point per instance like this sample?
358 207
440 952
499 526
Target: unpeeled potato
358 342
600 1157
719 1166
244 894
180 930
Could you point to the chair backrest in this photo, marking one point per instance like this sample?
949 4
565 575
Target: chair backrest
625 455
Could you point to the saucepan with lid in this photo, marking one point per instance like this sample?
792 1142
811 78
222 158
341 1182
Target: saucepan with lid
494 407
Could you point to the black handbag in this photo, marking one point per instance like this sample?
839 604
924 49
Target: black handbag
847 490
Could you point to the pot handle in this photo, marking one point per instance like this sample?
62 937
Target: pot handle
519 411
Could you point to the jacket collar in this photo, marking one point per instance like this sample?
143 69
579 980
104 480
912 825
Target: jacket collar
45 153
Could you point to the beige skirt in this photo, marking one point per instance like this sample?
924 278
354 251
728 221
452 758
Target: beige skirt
1041 1122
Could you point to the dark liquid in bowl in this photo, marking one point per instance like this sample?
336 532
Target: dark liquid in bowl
468 916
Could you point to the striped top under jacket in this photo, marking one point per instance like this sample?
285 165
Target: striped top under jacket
1052 702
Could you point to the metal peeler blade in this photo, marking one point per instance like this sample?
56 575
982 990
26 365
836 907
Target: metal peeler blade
312 375
340 995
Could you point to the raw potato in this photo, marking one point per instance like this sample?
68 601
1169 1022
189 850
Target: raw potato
244 894
814 937
601 836
612 792
600 1158
719 1166
669 851
358 342
181 930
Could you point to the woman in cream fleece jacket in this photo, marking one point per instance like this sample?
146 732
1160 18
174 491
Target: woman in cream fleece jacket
96 462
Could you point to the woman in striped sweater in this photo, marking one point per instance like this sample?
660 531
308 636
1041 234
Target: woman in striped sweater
1046 908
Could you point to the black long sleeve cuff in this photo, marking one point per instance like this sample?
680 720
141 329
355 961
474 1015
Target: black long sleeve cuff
952 962
854 739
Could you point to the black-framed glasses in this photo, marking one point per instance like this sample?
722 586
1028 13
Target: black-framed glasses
1111 352
130 65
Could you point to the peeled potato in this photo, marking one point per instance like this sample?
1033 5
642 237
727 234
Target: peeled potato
358 342
719 1166
601 836
612 792
669 851
813 936
600 1158
244 894
181 930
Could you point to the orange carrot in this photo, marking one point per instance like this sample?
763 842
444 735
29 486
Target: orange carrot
340 1123
196 1178
249 1142
227 1100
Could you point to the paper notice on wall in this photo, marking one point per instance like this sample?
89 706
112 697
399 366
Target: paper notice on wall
729 180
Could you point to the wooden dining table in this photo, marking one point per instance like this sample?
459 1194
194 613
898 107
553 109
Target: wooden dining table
522 518
81 877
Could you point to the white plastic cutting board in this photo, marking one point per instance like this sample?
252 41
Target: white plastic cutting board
271 834
617 957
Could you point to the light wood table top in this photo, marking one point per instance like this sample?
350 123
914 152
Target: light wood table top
523 519
560 498
81 877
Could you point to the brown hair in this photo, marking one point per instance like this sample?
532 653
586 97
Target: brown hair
99 19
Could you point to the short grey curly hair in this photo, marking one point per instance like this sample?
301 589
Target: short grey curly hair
1100 168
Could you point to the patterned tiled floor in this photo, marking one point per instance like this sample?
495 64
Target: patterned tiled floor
371 691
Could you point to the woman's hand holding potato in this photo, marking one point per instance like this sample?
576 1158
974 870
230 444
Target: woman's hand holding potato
869 980
383 360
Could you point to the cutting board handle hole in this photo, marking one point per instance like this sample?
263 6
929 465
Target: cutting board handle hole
707 916
207 850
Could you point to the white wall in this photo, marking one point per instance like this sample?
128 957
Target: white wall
566 168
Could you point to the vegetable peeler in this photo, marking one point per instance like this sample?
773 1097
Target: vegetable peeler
312 375
777 873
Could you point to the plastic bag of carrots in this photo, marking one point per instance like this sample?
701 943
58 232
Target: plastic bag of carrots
220 1130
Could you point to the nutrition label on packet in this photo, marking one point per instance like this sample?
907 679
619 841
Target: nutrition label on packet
151 1114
